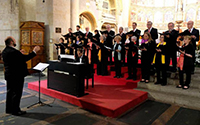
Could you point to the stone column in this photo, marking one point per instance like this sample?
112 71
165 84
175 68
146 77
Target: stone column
74 14
125 13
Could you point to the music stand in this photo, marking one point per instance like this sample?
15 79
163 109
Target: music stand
40 67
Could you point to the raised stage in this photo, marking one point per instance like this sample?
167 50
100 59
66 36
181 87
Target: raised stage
110 96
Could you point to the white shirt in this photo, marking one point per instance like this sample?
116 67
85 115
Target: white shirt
134 30
191 30
150 29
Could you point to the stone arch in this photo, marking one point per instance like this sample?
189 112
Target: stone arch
90 17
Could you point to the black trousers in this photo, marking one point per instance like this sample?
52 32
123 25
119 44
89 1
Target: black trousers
187 70
171 55
132 67
162 68
117 67
145 67
14 93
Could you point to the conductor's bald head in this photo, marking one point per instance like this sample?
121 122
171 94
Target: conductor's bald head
10 41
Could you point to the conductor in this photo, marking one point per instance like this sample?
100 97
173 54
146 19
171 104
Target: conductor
15 71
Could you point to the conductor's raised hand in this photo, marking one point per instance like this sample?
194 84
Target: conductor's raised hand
36 49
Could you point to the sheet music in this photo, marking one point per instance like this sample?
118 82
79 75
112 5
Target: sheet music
67 56
76 63
107 47
55 60
41 66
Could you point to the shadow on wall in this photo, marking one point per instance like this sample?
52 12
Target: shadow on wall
46 41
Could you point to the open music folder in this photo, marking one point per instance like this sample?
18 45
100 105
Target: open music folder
41 66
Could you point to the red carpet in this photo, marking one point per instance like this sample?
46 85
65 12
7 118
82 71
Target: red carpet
110 96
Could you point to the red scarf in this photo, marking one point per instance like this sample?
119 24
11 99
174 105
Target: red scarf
89 52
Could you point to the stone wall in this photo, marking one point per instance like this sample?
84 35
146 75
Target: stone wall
61 19
36 10
9 21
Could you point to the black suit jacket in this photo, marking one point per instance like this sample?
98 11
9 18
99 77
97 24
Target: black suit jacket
80 34
123 36
96 38
15 63
110 38
138 32
195 32
90 35
172 40
154 33
68 36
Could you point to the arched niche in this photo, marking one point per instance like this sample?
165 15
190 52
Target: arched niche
86 19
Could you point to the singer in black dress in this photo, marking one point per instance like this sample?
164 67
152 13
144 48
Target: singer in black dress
188 51
132 58
61 45
102 58
160 61
146 59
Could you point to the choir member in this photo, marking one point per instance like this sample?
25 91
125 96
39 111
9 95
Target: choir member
160 61
195 37
146 60
123 36
89 51
171 39
70 34
96 36
78 32
96 40
152 31
117 56
187 52
60 47
87 35
78 41
135 32
154 36
102 58
69 50
109 41
132 58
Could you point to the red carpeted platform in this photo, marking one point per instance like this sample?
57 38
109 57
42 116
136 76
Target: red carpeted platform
110 96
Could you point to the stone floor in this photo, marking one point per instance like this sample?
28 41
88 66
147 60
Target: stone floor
62 113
